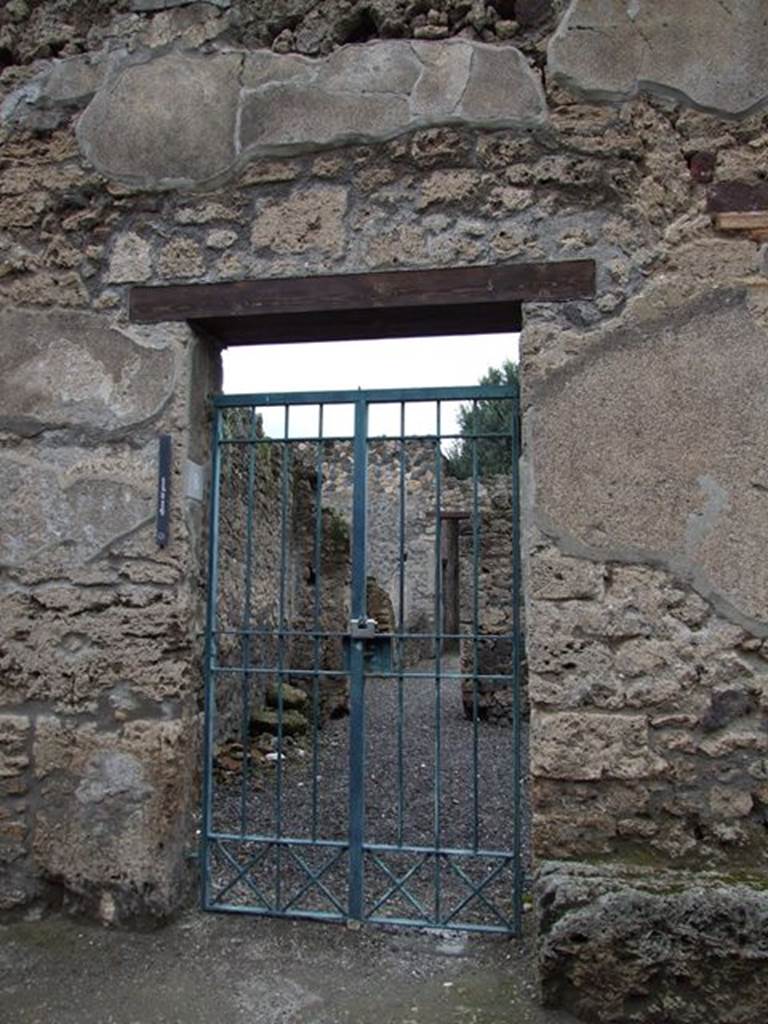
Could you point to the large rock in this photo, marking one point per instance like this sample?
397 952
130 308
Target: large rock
63 369
650 446
646 947
166 122
708 53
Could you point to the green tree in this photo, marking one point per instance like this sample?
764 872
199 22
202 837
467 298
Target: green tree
486 416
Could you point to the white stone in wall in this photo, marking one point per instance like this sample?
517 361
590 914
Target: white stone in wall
710 53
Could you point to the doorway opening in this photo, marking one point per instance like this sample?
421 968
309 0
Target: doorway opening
311 616
365 715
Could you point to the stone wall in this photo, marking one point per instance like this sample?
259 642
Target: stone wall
99 659
494 551
267 525
383 526
597 132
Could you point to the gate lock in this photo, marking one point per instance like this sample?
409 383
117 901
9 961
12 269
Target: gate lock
362 628
378 646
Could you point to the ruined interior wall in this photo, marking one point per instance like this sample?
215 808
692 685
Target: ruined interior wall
266 526
645 421
383 525
248 570
494 539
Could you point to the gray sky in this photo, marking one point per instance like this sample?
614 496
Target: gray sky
345 365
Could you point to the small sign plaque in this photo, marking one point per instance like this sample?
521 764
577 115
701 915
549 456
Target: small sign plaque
163 490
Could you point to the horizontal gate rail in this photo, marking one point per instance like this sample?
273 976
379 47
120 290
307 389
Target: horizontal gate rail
381 396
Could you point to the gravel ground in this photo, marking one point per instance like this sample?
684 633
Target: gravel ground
462 809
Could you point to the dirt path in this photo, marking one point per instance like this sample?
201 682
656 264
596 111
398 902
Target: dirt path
220 969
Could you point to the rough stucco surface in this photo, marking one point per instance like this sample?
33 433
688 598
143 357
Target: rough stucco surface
72 373
644 425
678 48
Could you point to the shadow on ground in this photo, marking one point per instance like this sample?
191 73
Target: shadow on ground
207 969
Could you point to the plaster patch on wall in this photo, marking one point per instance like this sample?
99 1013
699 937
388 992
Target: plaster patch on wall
77 371
609 50
655 416
703 521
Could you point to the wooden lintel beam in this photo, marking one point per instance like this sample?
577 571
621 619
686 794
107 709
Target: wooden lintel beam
742 220
467 286
359 324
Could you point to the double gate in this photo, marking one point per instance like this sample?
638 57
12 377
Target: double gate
363 720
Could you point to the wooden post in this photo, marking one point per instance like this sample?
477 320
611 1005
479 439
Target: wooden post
451 577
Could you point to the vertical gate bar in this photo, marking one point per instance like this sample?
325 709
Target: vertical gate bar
357 665
317 557
401 642
210 655
245 639
438 658
475 632
281 656
516 681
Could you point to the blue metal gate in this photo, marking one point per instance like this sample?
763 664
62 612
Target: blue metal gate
363 720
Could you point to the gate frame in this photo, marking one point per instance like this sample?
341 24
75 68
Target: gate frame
356 845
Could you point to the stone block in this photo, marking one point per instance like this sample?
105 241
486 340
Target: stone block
220 239
440 86
309 220
13 835
388 67
502 91
73 81
703 52
113 821
181 258
130 260
361 94
302 117
554 577
130 131
730 802
589 746
576 819
229 107
14 734
450 186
